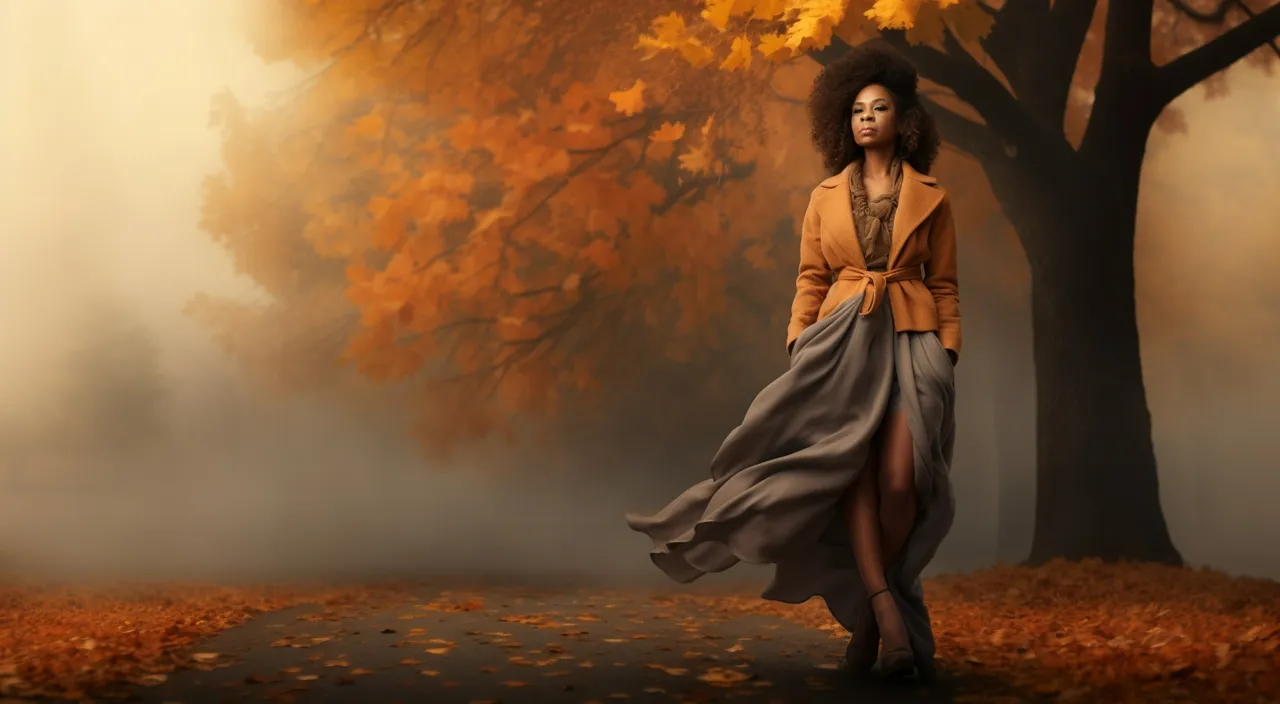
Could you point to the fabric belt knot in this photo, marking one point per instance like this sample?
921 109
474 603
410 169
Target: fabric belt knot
878 282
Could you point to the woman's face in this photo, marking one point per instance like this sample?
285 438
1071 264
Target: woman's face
874 121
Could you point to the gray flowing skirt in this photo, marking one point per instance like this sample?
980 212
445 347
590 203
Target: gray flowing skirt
774 494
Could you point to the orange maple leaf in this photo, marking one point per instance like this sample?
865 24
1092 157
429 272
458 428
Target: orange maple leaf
668 132
697 160
631 100
739 55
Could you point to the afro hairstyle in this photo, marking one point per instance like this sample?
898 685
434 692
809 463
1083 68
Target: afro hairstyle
831 106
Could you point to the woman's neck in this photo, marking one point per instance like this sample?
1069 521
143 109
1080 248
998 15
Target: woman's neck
877 163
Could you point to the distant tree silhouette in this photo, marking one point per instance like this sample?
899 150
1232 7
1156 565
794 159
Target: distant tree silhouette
115 396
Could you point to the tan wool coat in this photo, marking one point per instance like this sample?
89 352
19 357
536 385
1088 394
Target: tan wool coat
920 280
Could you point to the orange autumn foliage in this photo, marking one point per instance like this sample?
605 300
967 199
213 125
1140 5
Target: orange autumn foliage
487 187
492 202
1088 632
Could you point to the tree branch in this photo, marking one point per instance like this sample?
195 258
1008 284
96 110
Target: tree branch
787 98
1126 83
1178 76
1070 20
1214 16
1275 48
1016 38
1036 46
1218 15
962 133
1127 45
958 70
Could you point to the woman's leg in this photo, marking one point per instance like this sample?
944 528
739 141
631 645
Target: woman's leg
897 485
880 507
863 523
862 510
895 517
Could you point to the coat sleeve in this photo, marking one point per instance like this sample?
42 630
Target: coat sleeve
814 278
941 278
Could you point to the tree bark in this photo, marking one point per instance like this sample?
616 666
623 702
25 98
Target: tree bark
1097 491
1013 373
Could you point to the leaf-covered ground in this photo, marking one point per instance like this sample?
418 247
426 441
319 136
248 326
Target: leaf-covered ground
1092 632
74 642
1065 631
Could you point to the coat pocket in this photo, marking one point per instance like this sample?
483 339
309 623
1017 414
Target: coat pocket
833 298
942 358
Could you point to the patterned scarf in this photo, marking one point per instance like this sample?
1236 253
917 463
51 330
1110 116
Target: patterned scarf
874 217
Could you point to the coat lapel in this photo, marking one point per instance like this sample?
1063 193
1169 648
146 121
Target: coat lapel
837 215
916 203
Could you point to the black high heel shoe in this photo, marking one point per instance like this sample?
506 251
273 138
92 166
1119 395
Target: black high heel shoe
864 642
895 663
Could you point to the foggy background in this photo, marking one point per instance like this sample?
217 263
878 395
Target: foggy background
130 446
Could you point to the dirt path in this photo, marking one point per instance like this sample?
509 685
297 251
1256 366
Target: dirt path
515 645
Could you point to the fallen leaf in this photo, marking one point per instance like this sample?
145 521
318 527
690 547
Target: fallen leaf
723 677
676 671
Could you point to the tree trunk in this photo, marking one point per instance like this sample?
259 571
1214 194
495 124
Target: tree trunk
1016 419
1097 493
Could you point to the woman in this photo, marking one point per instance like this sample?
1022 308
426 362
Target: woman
838 474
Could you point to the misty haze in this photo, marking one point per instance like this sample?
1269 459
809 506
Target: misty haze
106 142
200 379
